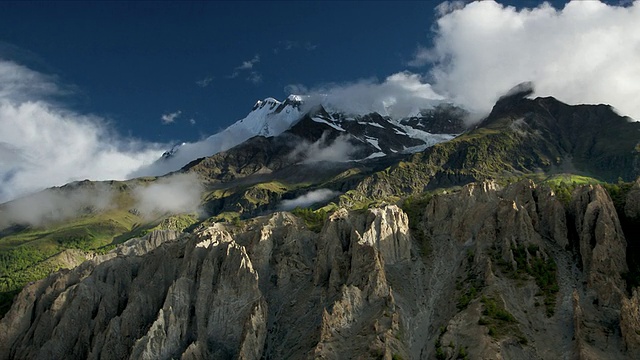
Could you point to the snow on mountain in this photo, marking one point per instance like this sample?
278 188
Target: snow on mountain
270 117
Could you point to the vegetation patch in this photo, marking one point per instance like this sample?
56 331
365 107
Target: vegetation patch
499 321
470 287
313 219
544 272
440 354
177 222
563 185
414 207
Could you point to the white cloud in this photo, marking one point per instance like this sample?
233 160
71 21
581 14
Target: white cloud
308 199
399 95
338 150
179 193
42 144
248 65
192 121
170 117
205 81
586 52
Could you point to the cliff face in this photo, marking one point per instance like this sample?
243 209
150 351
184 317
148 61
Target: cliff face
497 273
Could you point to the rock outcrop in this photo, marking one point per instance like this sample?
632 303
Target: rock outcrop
632 204
493 275
602 244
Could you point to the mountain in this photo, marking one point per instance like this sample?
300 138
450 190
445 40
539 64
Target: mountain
270 117
515 239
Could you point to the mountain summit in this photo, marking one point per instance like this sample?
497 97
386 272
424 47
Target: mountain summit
270 117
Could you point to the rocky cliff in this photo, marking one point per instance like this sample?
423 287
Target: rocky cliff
496 272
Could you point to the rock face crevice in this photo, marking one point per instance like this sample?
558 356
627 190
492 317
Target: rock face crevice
363 287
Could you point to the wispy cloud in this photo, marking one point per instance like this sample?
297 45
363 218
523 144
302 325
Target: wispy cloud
248 65
287 45
422 57
19 83
56 204
447 7
179 193
308 199
399 95
192 121
204 82
337 150
255 77
170 117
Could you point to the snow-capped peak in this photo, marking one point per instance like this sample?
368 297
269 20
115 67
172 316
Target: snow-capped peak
268 102
271 117
295 98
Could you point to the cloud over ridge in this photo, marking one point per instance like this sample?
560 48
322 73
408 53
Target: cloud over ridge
400 95
43 144
586 52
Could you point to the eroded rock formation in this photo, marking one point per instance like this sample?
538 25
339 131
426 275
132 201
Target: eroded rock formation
498 273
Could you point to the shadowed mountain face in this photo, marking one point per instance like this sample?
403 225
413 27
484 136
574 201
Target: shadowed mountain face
506 244
593 139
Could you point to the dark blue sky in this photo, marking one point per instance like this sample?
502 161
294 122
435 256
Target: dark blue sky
133 62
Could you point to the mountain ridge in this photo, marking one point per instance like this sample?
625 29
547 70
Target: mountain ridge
270 117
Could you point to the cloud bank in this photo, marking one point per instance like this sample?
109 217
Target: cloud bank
42 144
175 194
586 52
308 199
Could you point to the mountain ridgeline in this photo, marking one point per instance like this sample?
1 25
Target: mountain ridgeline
331 235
